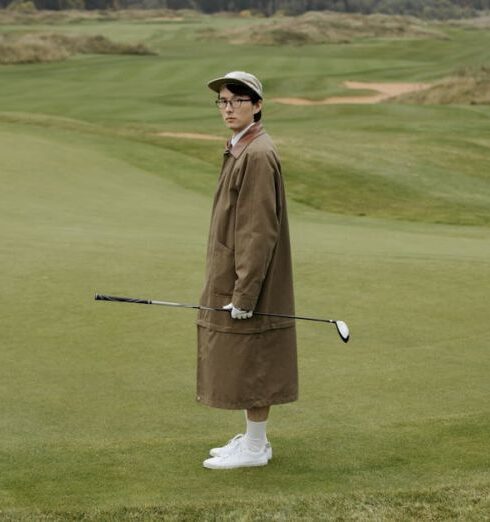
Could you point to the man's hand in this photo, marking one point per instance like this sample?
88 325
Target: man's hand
236 313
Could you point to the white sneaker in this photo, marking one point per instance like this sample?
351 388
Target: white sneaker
232 444
241 457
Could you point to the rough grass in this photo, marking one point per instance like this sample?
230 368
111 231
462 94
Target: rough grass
468 504
480 22
326 27
73 16
40 47
469 85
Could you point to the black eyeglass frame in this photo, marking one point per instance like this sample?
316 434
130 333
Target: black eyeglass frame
235 103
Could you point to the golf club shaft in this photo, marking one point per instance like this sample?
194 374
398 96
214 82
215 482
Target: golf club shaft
341 326
102 297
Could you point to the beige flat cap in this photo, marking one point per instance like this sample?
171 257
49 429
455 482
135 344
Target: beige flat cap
237 77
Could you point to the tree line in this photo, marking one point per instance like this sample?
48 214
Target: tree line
424 8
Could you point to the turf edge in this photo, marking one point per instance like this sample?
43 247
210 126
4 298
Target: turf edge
449 503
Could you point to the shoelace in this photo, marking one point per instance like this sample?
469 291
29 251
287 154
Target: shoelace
233 439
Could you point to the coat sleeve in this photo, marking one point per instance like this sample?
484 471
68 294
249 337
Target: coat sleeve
257 226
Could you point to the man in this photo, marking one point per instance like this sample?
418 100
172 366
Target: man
247 361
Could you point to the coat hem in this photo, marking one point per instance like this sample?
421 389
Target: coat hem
245 405
228 329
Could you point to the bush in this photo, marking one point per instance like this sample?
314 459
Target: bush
22 6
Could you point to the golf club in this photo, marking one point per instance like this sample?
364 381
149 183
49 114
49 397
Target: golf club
342 328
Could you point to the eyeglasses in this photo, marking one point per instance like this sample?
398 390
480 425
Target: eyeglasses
235 103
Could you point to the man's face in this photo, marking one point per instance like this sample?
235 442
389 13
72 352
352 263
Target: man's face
241 116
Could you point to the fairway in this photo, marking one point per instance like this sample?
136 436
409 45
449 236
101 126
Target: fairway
389 210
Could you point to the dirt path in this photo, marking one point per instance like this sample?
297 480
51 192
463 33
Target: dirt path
191 136
385 91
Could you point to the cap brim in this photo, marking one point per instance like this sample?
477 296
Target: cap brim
217 84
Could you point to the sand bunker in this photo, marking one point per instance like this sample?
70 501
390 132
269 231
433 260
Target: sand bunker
385 91
167 19
191 136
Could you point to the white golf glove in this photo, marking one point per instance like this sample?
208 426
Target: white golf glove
236 313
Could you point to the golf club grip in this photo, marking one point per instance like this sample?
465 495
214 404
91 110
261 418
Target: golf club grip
102 297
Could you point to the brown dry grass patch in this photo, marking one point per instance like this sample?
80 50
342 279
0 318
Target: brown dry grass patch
74 16
325 27
16 48
480 22
466 86
191 136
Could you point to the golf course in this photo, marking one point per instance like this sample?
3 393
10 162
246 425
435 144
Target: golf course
109 158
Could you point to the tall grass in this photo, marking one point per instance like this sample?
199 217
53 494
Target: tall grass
74 16
52 47
469 85
480 22
326 27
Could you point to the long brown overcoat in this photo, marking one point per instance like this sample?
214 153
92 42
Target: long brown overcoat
248 363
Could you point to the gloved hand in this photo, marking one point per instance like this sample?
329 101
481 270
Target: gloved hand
236 313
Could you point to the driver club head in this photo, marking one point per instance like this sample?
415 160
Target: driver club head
343 330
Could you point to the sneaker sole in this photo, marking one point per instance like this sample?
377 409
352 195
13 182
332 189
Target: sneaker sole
250 465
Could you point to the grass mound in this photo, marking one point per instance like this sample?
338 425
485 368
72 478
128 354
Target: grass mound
52 47
326 27
466 86
480 22
74 16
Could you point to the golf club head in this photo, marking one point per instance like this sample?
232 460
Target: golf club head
343 330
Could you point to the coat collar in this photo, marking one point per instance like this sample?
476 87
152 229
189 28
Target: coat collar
255 131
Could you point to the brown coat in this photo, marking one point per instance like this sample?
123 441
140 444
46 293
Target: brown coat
248 363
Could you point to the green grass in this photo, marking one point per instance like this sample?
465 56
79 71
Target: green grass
437 166
97 413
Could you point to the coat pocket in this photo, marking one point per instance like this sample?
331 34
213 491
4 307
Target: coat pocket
222 271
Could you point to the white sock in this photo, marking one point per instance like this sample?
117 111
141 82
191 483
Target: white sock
256 437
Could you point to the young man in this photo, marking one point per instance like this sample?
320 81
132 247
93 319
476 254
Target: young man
247 361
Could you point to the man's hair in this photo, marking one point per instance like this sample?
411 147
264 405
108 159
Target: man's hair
243 90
